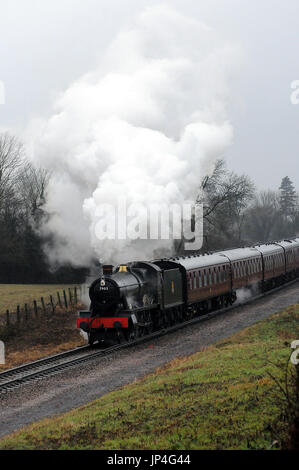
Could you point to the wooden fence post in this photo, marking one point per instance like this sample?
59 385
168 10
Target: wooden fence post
18 314
52 304
70 296
7 317
26 312
43 304
76 296
65 299
35 308
59 300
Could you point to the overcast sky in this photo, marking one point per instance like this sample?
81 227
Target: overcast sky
45 45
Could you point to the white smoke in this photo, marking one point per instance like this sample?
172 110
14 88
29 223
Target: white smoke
146 125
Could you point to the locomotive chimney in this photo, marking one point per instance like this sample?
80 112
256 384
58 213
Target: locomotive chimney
107 269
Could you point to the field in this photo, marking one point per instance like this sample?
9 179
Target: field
220 398
36 337
12 295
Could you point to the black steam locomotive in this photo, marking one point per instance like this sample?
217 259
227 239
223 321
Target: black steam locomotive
133 300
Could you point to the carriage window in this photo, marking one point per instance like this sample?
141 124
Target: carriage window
194 280
205 279
200 279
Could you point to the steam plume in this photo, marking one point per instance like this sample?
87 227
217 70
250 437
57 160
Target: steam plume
147 124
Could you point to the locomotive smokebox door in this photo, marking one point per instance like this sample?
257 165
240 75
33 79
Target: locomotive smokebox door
173 288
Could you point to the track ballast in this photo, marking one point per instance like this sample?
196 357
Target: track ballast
49 366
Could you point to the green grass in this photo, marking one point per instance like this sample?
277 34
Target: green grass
220 398
12 295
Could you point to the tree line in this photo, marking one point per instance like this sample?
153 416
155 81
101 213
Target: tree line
237 214
23 190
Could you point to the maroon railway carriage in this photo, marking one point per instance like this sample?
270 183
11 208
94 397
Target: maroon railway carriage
134 299
291 250
274 265
246 266
208 281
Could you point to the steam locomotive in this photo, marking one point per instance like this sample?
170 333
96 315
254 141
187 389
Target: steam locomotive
132 300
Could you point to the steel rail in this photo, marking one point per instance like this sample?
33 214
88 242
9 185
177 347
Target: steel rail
54 364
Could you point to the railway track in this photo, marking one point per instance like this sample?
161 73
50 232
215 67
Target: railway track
49 366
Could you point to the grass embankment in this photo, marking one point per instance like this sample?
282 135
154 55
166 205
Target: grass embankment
12 295
220 398
39 336
48 335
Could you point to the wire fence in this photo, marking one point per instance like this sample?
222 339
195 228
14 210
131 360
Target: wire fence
66 300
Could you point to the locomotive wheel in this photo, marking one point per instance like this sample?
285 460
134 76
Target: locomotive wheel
120 337
133 333
149 327
138 331
91 339
130 334
142 319
172 317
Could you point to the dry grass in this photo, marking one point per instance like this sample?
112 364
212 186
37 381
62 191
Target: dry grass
50 334
221 398
12 295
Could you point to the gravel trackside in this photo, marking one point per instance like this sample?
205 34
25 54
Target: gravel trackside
84 383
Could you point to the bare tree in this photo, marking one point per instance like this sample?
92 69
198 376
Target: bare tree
226 196
32 186
264 219
11 159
